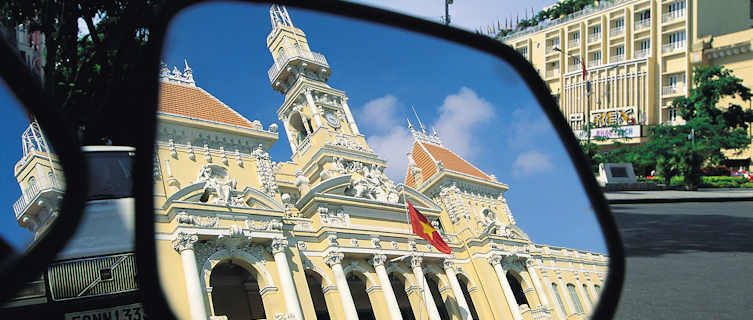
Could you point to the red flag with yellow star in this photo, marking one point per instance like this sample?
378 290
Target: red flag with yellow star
422 228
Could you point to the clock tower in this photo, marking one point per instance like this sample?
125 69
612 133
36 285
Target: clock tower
317 119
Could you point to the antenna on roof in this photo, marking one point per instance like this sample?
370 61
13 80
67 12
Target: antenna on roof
279 16
420 124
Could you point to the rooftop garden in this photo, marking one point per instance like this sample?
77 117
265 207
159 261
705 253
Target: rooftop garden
559 10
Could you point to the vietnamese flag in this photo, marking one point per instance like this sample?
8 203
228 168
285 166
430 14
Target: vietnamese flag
422 228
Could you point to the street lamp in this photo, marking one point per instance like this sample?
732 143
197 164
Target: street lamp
588 93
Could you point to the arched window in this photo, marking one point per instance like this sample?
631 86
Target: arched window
398 287
588 295
468 299
235 293
31 184
559 299
574 297
598 289
517 290
361 298
317 296
296 123
441 305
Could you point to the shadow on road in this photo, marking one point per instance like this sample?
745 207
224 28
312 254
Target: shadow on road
653 234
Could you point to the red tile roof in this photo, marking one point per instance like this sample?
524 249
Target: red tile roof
194 102
426 156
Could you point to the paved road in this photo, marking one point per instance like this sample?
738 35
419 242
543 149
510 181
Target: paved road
687 260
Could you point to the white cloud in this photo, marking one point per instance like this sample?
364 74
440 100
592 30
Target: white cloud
386 134
393 147
468 14
378 115
530 163
458 117
527 125
389 137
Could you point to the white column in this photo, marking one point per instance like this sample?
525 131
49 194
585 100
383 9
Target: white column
312 107
334 260
292 304
431 307
465 312
592 290
555 304
183 243
584 296
351 120
384 280
495 261
536 282
566 291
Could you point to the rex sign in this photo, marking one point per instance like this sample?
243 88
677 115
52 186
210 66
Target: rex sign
612 117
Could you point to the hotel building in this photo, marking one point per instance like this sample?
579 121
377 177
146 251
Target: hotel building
639 56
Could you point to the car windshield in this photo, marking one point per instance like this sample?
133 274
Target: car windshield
110 175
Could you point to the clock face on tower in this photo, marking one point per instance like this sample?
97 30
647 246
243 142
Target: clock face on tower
331 118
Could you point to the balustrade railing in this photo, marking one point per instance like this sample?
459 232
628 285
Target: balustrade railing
673 46
594 37
29 194
616 31
617 58
293 53
641 24
672 15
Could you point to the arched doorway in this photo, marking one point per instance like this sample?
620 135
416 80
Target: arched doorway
468 299
299 129
317 296
235 292
357 286
432 285
517 290
398 283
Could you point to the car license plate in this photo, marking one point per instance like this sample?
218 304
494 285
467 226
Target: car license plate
127 312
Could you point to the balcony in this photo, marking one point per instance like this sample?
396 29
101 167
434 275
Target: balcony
642 53
574 67
673 15
616 31
617 58
573 43
672 90
594 37
550 49
673 47
642 24
294 53
603 5
594 63
552 73
43 188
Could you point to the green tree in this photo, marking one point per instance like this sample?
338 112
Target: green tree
83 74
708 129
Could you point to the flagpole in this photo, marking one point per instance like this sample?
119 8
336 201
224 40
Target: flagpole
422 282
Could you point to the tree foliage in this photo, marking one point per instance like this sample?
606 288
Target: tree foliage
709 130
83 74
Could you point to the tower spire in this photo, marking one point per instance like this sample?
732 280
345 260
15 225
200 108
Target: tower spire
278 15
420 124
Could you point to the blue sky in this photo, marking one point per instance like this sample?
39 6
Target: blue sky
479 106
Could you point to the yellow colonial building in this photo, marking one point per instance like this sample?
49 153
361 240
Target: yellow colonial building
639 55
324 235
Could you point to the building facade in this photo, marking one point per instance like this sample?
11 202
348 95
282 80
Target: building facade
325 235
639 56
